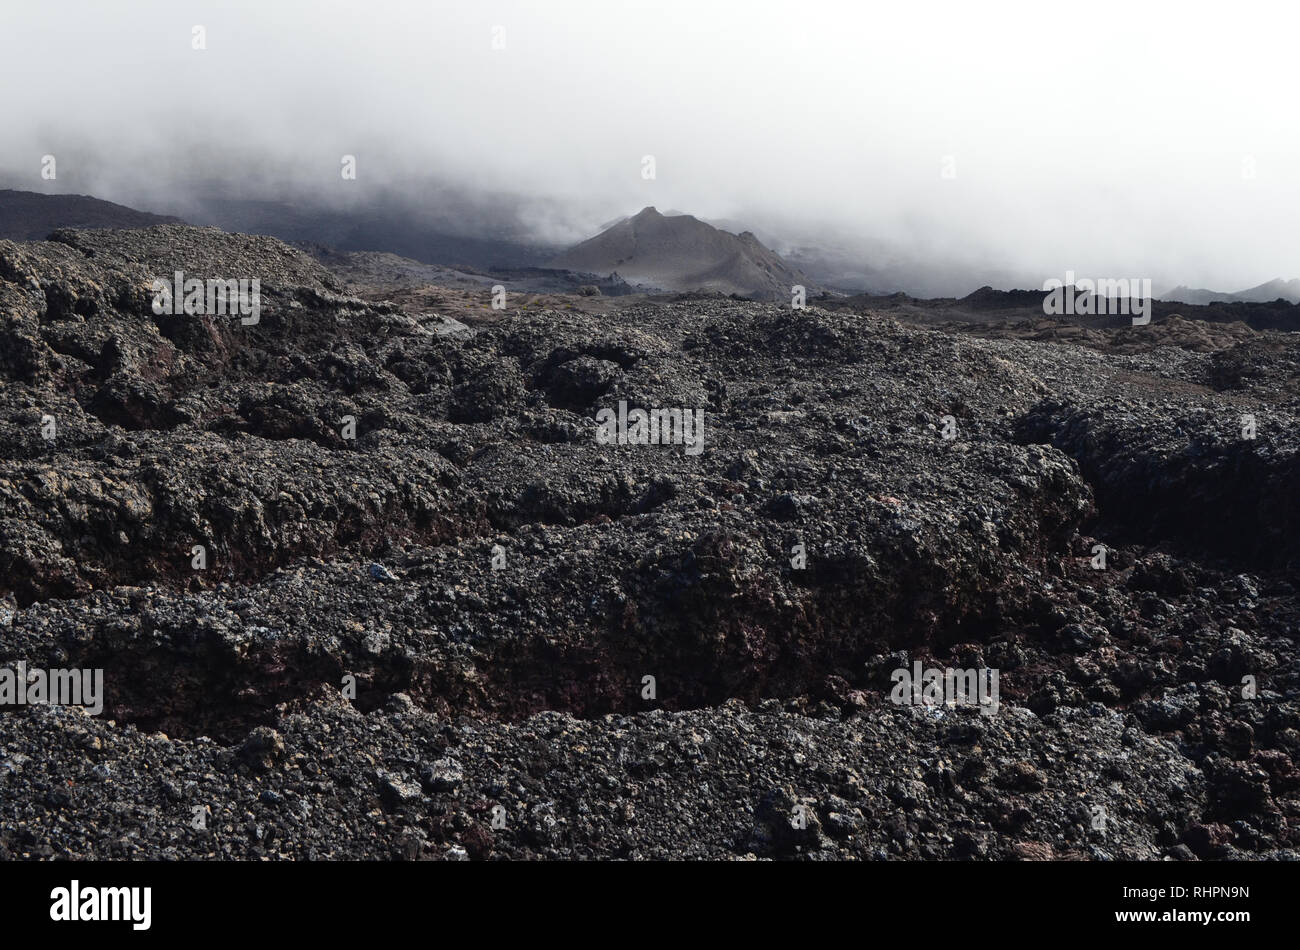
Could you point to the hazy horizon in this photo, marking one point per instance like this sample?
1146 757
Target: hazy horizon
1004 140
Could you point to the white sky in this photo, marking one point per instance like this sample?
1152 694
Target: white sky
1104 137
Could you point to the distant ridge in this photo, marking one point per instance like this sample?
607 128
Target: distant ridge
1288 290
28 216
679 252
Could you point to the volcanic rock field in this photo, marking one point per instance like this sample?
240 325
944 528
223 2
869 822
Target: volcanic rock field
426 633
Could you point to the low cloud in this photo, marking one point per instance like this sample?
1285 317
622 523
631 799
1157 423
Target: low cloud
1006 138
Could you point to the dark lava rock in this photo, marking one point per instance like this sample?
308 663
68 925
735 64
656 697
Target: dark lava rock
371 579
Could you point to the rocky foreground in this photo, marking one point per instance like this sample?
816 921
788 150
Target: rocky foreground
428 598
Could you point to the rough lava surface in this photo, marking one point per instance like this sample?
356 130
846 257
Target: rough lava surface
496 584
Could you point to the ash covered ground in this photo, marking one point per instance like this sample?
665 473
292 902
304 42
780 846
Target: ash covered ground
496 584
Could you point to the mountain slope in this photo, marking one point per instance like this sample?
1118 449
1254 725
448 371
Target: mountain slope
1288 290
428 232
28 216
681 252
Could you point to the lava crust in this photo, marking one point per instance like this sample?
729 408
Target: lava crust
430 597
